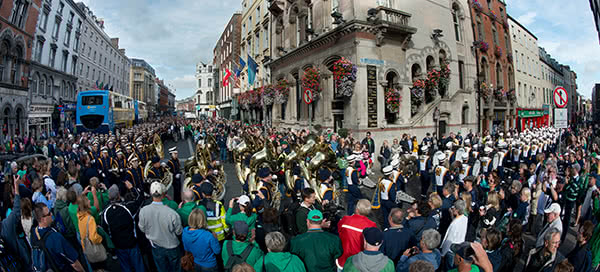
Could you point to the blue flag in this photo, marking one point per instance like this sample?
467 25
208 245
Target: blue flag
252 66
237 72
242 64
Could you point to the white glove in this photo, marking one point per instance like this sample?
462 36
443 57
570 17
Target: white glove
103 175
177 176
163 164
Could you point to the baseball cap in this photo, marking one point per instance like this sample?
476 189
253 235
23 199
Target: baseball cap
156 188
324 174
464 250
206 188
244 200
263 172
240 228
554 208
373 236
315 215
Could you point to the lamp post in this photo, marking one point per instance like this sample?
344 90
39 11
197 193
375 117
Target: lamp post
436 120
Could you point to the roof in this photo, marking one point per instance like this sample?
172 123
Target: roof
523 27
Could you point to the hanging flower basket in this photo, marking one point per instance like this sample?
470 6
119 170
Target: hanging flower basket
311 80
243 100
431 85
417 92
500 94
268 95
493 16
483 46
253 98
477 6
484 91
282 91
392 100
509 57
512 96
344 73
444 80
498 51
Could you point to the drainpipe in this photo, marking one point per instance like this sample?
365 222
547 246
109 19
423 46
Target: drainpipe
479 109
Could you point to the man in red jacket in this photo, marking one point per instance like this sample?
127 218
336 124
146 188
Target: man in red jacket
350 229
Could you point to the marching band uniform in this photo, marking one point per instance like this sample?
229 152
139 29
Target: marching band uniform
354 193
135 175
155 172
326 189
264 186
175 169
466 168
385 194
104 164
299 182
441 173
425 170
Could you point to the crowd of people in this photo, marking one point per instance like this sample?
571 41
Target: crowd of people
88 202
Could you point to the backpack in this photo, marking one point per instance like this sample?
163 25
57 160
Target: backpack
9 261
40 256
288 218
235 259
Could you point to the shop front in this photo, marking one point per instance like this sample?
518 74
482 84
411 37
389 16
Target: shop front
532 118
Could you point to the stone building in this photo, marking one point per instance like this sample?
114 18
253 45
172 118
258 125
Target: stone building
570 84
495 68
101 62
226 58
204 91
17 31
394 45
54 67
552 77
532 104
143 87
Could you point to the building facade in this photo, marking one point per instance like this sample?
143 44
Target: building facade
101 63
394 46
142 85
226 57
552 77
204 91
256 44
54 67
570 84
595 6
531 107
186 105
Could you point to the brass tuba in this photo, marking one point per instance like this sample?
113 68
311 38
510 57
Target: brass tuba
158 146
323 157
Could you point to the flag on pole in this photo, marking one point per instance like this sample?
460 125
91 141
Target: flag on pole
252 66
226 75
242 64
101 87
236 77
96 86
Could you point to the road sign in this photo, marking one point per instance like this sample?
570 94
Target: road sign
308 96
560 97
560 118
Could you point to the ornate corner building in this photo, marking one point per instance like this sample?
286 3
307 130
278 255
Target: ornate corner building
416 54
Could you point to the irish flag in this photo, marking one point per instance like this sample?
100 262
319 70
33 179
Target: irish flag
226 76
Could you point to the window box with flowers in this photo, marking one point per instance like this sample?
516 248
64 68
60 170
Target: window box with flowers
512 95
282 91
484 92
431 85
481 45
493 16
417 92
444 80
477 6
268 95
392 100
500 94
344 72
498 51
311 81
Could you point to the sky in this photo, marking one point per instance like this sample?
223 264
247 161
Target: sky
174 35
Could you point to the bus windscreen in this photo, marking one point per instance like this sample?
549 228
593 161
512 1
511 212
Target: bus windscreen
91 100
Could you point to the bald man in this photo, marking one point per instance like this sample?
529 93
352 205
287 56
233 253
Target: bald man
187 205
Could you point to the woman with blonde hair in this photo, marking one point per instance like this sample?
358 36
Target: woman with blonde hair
199 241
88 229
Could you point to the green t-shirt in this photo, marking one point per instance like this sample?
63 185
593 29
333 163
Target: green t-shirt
250 220
238 248
102 199
185 211
170 203
317 249
474 268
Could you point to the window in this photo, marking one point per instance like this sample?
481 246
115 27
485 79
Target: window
517 60
210 82
87 71
495 35
38 51
65 61
415 72
485 70
456 20
266 36
461 74
56 29
256 45
68 37
76 43
506 42
52 57
465 115
480 32
42 87
34 83
71 16
257 14
61 6
44 20
74 65
199 83
91 100
19 13
499 81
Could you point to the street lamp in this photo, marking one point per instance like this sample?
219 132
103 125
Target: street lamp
436 119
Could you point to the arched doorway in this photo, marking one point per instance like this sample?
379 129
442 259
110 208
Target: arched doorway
391 80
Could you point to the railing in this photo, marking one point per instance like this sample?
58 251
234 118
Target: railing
393 16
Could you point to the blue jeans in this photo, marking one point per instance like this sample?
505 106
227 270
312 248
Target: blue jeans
167 260
223 152
199 268
130 259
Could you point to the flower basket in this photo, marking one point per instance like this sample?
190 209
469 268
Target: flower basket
477 6
484 91
483 46
417 92
282 91
392 100
493 16
431 85
444 80
311 80
243 100
268 95
500 94
344 73
512 96
498 51
509 57
253 98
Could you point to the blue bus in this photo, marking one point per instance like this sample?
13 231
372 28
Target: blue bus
101 111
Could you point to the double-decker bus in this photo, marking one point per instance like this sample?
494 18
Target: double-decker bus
101 111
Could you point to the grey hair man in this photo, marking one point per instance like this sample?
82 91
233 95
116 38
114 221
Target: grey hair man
276 258
538 257
428 252
457 231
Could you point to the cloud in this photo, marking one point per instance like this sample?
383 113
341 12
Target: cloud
171 35
527 18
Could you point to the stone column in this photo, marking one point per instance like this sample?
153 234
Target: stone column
328 97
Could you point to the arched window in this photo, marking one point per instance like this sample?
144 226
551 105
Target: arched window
511 82
391 79
15 73
34 83
499 79
42 88
480 32
415 72
456 21
430 63
485 70
4 60
495 35
465 114
50 86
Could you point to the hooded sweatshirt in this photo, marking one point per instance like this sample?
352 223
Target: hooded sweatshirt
203 245
280 261
369 261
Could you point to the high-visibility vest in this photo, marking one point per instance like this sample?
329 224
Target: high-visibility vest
215 220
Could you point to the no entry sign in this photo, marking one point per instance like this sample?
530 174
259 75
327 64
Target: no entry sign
308 96
560 97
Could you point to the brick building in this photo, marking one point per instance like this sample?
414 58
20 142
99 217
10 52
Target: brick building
494 65
226 57
18 21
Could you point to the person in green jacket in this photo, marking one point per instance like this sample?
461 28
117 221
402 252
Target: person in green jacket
308 204
595 240
276 259
317 248
370 259
245 214
101 194
239 245
187 206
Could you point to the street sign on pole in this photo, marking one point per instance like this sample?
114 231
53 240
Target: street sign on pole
308 96
560 97
560 118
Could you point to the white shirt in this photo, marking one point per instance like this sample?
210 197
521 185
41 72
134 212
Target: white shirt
456 234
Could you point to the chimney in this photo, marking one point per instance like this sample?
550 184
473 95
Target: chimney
115 42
